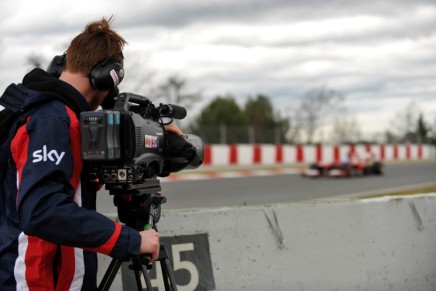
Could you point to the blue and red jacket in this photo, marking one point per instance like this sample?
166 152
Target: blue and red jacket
50 231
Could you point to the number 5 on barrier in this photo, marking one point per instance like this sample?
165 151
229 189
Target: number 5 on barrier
179 265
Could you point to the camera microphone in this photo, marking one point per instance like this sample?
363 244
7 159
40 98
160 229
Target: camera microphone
171 110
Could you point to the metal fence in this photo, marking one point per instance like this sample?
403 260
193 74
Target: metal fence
241 134
238 134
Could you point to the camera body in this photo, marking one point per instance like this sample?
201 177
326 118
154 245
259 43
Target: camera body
128 144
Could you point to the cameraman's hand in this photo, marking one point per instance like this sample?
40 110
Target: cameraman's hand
172 128
150 243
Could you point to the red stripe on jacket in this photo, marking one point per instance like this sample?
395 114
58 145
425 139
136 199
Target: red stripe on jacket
19 148
39 264
107 247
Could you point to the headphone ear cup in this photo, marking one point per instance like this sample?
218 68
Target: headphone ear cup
106 75
56 66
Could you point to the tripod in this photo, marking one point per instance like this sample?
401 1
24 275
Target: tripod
139 207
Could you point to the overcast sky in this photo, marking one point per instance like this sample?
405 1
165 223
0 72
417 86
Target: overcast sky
380 54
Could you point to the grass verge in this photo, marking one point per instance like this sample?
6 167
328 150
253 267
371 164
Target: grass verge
419 190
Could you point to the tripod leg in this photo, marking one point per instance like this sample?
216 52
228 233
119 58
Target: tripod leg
138 280
146 278
167 272
110 274
138 266
168 276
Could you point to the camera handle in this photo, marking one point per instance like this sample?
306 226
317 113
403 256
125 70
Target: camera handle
141 208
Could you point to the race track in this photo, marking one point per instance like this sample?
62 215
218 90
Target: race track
253 190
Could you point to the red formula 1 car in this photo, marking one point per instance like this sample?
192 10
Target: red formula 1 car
347 167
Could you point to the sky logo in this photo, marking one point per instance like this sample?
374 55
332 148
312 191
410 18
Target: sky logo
45 155
151 142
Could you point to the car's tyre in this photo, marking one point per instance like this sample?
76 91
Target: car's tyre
377 168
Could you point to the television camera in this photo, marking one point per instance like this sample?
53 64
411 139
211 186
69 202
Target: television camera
127 148
128 145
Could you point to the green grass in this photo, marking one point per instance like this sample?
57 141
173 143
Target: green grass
419 190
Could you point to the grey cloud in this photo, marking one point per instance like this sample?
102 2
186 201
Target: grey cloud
184 13
169 29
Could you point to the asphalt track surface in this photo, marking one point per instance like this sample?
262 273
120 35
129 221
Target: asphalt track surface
280 188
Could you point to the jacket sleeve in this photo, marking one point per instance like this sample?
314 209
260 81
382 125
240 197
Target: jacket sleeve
46 152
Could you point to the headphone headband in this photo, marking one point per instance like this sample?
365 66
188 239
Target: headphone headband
105 75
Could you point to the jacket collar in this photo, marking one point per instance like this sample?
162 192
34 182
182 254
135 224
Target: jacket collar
41 81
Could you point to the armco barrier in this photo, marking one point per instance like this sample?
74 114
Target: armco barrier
384 243
267 154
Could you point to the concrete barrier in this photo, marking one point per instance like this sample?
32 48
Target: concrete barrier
386 243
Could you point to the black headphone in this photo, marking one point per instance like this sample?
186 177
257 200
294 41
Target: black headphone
56 66
104 76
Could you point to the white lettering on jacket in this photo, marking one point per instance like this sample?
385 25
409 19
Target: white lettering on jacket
44 155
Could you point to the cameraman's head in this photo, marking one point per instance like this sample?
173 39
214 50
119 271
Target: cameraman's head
94 61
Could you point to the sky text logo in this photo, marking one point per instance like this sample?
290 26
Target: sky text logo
45 155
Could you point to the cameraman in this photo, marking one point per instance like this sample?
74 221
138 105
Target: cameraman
50 231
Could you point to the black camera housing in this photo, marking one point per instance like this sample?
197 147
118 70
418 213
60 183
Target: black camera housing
128 144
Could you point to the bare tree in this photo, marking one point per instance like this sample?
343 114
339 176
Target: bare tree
315 108
345 129
433 131
423 130
35 60
173 91
404 122
294 133
138 79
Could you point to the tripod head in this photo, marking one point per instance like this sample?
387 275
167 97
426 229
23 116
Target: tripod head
138 205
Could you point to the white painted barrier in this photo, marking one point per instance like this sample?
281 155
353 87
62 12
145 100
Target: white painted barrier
384 243
268 154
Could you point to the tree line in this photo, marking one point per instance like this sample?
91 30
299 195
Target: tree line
222 120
